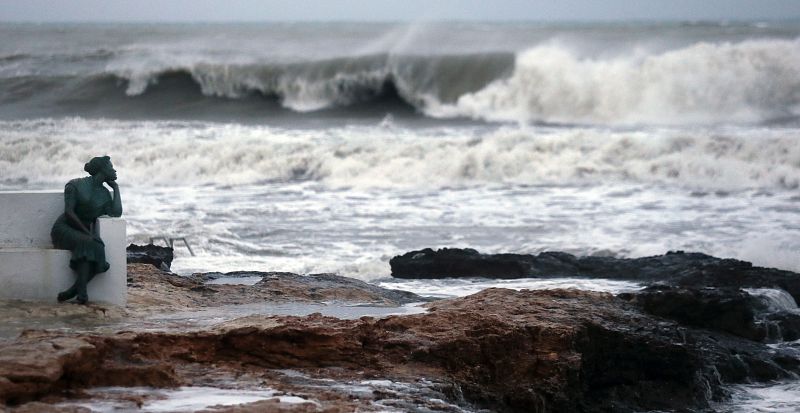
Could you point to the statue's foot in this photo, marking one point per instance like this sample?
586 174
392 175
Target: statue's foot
66 295
82 299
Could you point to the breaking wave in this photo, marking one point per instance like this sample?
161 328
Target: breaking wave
309 86
748 82
300 87
754 81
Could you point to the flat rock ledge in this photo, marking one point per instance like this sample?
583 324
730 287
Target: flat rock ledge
153 290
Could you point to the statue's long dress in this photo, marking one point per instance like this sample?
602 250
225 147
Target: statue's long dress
90 202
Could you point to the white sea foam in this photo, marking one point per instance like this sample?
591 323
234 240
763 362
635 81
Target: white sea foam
180 399
459 287
175 153
706 82
775 299
780 397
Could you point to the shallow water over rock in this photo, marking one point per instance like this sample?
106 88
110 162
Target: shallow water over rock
448 288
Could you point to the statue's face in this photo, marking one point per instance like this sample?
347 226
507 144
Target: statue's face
110 172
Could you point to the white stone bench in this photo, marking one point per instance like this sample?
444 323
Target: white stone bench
32 269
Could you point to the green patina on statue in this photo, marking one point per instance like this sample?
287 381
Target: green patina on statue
85 199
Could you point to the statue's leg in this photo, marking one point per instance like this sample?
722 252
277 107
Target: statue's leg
72 291
84 271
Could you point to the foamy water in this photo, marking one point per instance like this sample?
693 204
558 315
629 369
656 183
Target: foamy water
180 153
182 399
775 300
460 287
776 397
347 199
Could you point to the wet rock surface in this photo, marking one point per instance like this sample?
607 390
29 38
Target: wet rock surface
526 351
728 310
667 347
723 309
731 310
506 350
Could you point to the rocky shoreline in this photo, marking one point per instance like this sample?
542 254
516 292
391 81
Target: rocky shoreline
675 345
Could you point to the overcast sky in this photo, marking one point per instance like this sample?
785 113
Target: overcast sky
393 10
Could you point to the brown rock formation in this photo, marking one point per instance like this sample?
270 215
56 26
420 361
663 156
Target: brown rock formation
533 351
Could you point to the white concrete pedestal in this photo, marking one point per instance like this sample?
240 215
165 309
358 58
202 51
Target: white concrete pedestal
31 269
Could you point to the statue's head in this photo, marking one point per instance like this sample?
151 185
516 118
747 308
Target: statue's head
101 164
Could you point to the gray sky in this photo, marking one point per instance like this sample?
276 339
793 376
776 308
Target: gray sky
382 10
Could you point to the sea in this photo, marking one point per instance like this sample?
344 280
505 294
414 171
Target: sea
332 147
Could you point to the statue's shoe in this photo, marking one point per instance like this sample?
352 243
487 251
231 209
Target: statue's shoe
82 299
65 295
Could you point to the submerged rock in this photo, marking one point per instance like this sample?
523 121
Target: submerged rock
319 287
153 290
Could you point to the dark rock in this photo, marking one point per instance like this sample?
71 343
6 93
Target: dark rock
722 309
738 274
783 326
624 370
726 313
767 316
159 257
675 268
455 262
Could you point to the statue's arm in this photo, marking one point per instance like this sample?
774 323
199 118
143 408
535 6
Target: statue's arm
69 208
116 204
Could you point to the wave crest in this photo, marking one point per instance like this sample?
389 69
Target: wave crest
316 85
752 81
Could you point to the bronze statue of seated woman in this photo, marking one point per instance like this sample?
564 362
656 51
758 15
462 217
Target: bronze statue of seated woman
85 199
